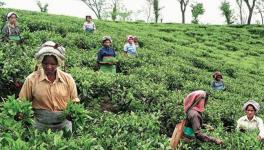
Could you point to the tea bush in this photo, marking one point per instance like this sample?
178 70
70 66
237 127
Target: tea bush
138 107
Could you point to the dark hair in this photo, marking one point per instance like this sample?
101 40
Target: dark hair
90 17
46 56
106 40
206 97
251 106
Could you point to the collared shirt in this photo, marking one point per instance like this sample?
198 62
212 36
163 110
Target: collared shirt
105 52
250 125
130 49
44 94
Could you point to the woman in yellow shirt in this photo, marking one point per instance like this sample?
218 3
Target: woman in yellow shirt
50 89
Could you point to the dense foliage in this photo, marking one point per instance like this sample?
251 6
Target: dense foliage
139 107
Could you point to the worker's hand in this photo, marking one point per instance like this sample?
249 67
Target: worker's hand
19 116
218 142
242 130
106 63
18 84
208 127
259 138
69 117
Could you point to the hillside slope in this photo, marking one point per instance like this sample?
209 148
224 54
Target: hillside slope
145 98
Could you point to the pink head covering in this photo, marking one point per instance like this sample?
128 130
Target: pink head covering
192 97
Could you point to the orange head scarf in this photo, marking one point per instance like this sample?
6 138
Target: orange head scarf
192 97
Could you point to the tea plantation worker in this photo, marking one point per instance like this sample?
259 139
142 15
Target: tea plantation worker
11 30
250 122
50 89
106 56
130 48
194 106
218 83
89 25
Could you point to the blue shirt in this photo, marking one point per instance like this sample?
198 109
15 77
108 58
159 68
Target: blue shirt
218 85
105 51
130 49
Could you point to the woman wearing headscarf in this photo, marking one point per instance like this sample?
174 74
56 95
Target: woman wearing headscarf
194 106
130 48
250 122
11 31
50 89
89 25
218 83
106 56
